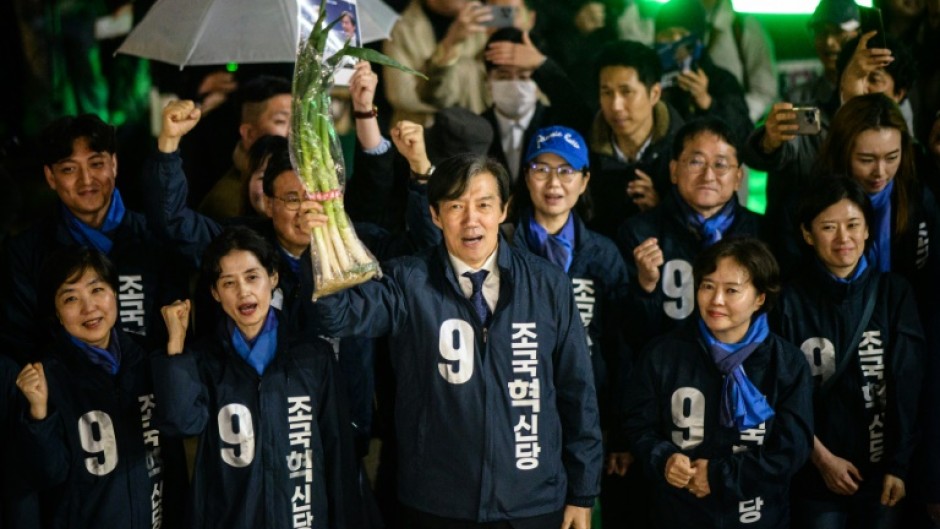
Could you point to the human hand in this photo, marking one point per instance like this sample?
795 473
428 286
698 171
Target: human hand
576 517
179 117
618 463
215 88
176 318
695 82
698 485
525 56
864 61
642 191
679 471
892 491
840 475
310 215
468 21
408 138
362 87
32 383
648 257
780 127
590 17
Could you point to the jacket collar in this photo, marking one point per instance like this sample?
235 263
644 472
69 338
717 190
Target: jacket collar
601 134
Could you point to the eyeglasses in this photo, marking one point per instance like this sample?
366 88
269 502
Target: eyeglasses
698 165
291 202
542 172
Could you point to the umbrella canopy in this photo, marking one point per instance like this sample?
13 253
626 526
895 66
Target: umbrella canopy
200 32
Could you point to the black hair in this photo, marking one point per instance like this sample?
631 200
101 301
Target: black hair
693 128
277 164
509 34
903 69
237 238
66 265
827 191
452 176
631 54
751 254
686 14
254 93
262 147
57 140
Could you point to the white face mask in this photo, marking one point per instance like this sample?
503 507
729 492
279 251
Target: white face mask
514 99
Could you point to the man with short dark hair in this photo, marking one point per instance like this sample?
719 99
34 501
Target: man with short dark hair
80 165
631 138
834 22
265 110
496 413
700 209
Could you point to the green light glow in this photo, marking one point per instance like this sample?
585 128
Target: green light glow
779 7
232 67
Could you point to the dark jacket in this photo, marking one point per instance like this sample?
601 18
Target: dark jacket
881 377
98 457
149 276
473 411
673 407
610 176
673 301
728 103
599 279
272 448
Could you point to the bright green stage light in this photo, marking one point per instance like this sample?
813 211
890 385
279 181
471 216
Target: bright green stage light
779 7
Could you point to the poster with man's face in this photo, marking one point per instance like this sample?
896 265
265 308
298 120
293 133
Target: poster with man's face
347 29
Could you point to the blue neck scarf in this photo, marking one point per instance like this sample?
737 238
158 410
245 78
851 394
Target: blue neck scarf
292 262
99 239
881 248
558 249
712 229
108 359
742 404
859 270
259 352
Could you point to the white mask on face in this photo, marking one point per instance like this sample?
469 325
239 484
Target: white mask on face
514 99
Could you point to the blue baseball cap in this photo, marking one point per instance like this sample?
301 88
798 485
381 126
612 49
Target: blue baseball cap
562 141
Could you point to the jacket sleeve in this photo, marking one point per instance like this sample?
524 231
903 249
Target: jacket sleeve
410 50
342 468
759 63
21 334
904 381
582 451
182 408
164 183
728 102
643 310
369 190
370 310
642 414
786 447
618 355
46 458
418 215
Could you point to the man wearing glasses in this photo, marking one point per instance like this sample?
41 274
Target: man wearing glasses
659 246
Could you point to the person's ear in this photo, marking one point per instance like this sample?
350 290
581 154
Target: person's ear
215 294
435 218
50 177
808 236
673 166
656 92
274 279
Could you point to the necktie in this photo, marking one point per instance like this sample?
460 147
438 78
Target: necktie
476 297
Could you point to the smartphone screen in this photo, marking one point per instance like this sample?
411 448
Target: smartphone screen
870 19
503 17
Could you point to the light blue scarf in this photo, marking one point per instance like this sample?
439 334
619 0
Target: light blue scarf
743 406
99 239
258 352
